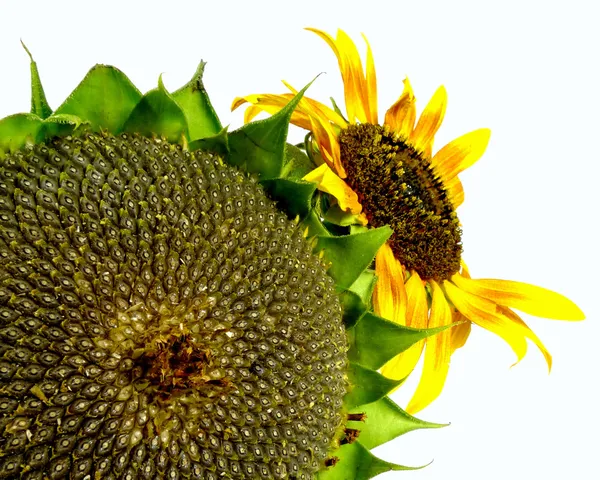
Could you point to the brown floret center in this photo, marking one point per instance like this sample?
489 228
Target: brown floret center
397 186
176 364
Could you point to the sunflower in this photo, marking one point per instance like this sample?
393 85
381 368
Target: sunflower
154 301
387 174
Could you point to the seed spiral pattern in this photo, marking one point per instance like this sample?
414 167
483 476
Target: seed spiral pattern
159 318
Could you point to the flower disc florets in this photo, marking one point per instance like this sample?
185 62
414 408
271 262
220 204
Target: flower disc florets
159 318
397 186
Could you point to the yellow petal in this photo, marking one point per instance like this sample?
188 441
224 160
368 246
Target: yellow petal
272 104
401 116
251 112
330 41
327 145
238 101
460 154
371 86
529 334
460 333
266 99
327 181
437 354
455 191
430 120
401 365
417 308
427 148
355 87
362 219
459 341
389 297
416 316
486 314
464 270
528 298
347 66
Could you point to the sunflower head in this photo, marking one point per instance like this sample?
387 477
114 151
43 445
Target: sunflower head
171 303
387 174
398 187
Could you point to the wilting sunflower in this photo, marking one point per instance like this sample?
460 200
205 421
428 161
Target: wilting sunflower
386 174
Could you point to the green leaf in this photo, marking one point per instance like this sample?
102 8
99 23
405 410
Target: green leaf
201 117
337 109
350 255
355 229
314 225
218 143
39 104
367 386
259 147
105 98
158 114
294 196
355 462
364 286
374 340
16 130
310 150
337 216
385 421
353 308
296 163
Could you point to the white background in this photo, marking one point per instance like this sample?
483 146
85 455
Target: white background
528 70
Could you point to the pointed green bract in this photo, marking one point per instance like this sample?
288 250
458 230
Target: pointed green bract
19 129
337 110
374 341
385 421
39 104
294 196
314 225
218 143
364 286
350 255
259 147
201 117
65 119
337 216
355 462
296 163
367 386
105 98
354 229
158 114
61 124
354 308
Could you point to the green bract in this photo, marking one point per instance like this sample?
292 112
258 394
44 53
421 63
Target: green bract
107 107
